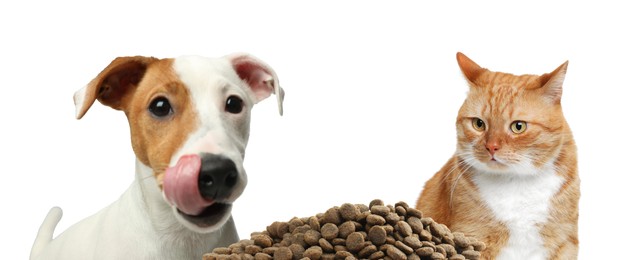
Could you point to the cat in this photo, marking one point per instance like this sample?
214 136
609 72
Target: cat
513 181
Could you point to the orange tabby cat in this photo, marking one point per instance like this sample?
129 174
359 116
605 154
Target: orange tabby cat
512 182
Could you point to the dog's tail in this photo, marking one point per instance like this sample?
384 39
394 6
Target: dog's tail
46 231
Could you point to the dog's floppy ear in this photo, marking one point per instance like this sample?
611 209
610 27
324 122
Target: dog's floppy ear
119 78
259 76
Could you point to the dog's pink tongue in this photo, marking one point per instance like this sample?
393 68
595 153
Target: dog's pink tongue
180 185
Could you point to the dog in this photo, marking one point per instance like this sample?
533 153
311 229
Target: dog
189 122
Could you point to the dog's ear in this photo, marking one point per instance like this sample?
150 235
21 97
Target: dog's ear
259 76
119 78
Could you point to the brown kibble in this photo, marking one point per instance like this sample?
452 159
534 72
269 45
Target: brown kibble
414 213
311 237
338 248
377 255
392 218
413 242
437 229
460 240
338 241
413 256
380 210
470 254
349 211
425 235
395 253
377 235
252 249
297 251
327 247
355 242
425 251
342 254
427 221
346 228
457 257
415 224
314 223
405 248
263 241
295 223
375 202
404 228
329 231
282 229
367 251
333 216
262 256
448 250
222 250
313 252
374 219
437 256
478 246
283 253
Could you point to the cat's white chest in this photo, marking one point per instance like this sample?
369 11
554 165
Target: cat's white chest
522 204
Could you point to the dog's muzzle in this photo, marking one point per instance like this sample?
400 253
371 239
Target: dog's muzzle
199 187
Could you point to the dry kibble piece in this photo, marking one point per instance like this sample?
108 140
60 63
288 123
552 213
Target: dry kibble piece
413 242
283 253
395 253
311 237
437 256
313 252
415 224
346 228
380 210
263 241
392 218
367 251
375 202
333 216
297 251
427 221
338 248
342 254
222 250
471 254
355 242
478 246
401 211
329 231
338 241
405 248
425 235
374 219
377 235
377 255
414 213
314 223
404 228
425 251
262 256
349 211
413 256
282 229
327 247
460 240
252 249
457 257
448 249
209 256
294 223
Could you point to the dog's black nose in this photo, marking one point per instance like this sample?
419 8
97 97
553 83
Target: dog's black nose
217 176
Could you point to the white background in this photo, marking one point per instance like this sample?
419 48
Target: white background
372 94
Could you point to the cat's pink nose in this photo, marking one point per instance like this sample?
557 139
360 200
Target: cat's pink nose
492 147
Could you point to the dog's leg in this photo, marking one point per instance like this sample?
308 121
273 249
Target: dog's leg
46 231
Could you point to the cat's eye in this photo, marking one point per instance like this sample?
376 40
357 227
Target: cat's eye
518 127
478 124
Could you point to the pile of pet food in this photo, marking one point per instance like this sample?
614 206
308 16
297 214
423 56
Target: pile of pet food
355 231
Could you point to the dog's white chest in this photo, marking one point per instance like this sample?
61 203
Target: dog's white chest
522 204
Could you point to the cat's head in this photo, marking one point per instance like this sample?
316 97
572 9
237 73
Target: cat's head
510 123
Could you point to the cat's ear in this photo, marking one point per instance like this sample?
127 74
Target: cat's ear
470 69
552 83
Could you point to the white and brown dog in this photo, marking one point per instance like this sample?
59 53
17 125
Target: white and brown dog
189 119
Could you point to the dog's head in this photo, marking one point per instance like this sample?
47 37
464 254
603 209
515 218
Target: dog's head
189 119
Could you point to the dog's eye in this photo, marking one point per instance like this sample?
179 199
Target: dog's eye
160 107
234 105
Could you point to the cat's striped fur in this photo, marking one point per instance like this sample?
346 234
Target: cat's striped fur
513 181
